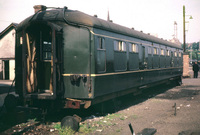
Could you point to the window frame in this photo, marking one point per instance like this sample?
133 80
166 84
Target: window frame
155 50
168 52
120 46
133 48
149 50
180 54
46 50
101 43
175 54
162 52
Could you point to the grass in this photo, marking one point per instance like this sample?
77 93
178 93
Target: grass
113 116
122 118
64 131
86 129
32 120
119 130
134 116
97 125
57 126
100 124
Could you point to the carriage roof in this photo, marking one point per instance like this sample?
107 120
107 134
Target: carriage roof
80 18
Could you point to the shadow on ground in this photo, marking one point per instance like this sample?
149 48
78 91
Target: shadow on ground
186 92
22 115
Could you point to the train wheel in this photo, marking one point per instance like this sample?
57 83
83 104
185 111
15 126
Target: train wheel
71 122
10 102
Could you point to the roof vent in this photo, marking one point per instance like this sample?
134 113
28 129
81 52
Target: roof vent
141 31
38 8
132 28
95 16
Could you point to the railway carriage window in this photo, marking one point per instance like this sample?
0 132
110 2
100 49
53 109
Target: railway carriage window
180 54
101 55
101 44
133 48
120 57
123 46
45 45
168 53
149 50
155 51
119 46
46 50
116 46
162 52
21 40
175 54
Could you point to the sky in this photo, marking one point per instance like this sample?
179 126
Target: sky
150 16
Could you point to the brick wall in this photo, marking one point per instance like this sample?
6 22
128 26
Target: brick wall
185 65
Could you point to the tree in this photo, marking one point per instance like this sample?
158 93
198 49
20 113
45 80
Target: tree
195 46
193 50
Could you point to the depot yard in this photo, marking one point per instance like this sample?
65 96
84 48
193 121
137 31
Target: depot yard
158 112
167 109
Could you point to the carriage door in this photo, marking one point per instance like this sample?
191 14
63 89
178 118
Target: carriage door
142 63
39 59
43 60
172 59
59 63
51 62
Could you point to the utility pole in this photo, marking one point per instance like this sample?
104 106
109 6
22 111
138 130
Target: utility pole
185 55
184 28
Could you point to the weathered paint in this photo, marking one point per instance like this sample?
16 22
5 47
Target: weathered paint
82 71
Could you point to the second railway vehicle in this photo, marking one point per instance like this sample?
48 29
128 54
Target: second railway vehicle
69 59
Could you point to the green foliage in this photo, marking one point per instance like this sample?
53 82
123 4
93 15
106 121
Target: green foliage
112 116
86 129
57 126
100 123
118 130
32 120
193 50
122 118
193 46
134 116
195 55
64 131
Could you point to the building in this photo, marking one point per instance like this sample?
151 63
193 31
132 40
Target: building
7 52
176 41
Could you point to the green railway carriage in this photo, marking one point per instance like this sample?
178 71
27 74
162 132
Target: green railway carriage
72 59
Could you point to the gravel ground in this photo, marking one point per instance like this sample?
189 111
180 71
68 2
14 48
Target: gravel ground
158 111
153 109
